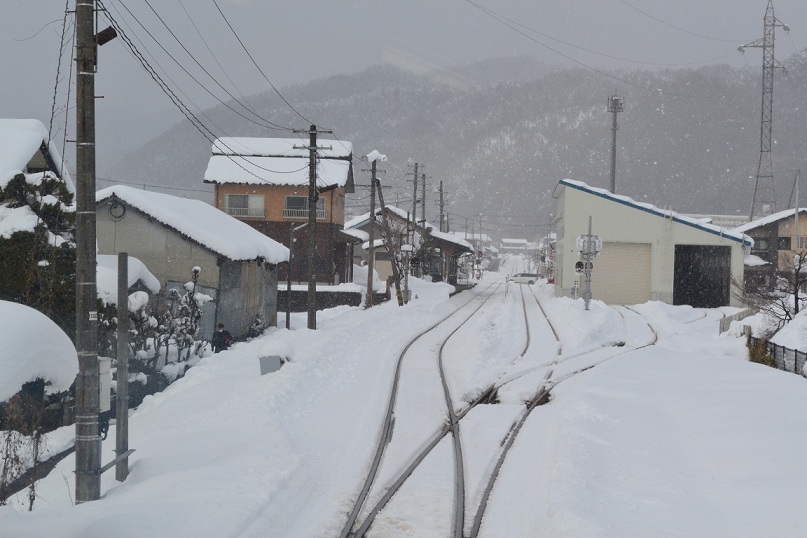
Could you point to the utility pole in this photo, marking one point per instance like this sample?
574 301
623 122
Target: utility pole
442 208
423 198
368 302
88 440
442 229
414 204
122 399
615 106
765 163
388 243
589 247
313 197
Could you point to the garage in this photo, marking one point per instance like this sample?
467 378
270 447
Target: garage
702 275
647 254
622 274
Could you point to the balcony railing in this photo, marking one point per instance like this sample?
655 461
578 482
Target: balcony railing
301 214
245 212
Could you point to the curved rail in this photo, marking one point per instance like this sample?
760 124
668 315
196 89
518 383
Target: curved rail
386 431
540 397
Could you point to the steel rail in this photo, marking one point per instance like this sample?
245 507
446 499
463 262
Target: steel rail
540 397
451 426
386 429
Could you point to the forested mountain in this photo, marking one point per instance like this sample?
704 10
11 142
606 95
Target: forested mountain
501 134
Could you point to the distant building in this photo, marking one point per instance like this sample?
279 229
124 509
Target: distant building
775 240
446 249
264 183
647 253
513 246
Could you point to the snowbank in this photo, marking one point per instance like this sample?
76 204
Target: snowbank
33 347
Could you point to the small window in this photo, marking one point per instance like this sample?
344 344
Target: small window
244 205
297 207
760 244
784 243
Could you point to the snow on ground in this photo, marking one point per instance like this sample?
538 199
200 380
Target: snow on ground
683 438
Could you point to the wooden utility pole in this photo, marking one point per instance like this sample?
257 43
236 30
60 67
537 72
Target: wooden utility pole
122 411
388 243
442 208
423 200
414 203
88 440
368 302
442 229
313 197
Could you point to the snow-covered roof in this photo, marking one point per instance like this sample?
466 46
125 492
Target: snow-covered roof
106 280
202 223
377 243
752 260
20 140
355 232
732 235
277 161
33 347
361 220
764 221
485 238
514 242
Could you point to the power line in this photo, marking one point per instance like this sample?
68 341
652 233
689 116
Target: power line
144 185
646 14
269 124
213 55
189 115
257 66
512 25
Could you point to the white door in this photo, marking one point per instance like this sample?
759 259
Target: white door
622 274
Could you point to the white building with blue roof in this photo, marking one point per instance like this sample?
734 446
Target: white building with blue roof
648 253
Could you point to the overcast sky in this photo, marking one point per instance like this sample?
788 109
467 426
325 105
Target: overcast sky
296 42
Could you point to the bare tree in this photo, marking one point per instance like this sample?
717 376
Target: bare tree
785 300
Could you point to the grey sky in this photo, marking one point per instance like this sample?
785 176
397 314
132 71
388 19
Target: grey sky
296 42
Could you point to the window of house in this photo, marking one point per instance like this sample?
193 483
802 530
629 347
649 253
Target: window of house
244 205
760 244
784 243
296 207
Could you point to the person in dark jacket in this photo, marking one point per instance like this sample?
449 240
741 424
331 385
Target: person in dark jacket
222 339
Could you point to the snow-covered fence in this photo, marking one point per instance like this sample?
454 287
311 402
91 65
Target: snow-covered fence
789 360
725 323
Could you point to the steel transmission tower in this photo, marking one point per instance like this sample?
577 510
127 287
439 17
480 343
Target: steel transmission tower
764 190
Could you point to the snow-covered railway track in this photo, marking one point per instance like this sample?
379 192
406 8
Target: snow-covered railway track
549 381
459 511
539 398
389 423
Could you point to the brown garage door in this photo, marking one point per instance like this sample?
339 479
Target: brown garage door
622 273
